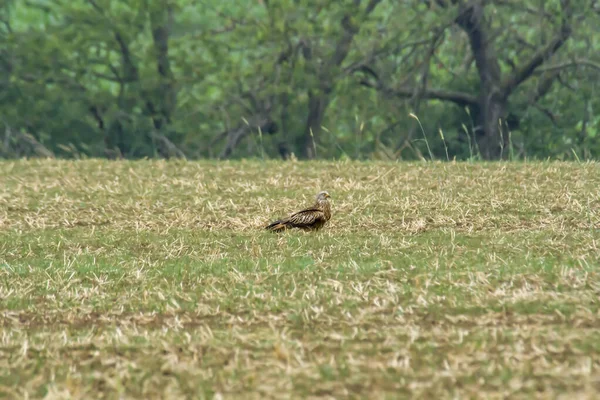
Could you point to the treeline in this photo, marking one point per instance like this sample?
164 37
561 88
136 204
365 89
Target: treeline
363 79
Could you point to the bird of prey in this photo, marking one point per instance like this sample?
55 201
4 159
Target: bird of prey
311 218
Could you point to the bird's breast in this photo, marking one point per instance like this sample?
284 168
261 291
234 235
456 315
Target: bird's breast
327 210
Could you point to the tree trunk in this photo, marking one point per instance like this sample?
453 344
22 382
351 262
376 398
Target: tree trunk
492 99
327 74
314 121
165 95
492 138
284 146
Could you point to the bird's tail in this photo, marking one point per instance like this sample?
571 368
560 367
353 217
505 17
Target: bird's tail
276 226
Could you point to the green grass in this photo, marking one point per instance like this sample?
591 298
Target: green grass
154 279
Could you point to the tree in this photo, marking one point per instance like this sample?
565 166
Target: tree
230 79
312 43
485 26
92 53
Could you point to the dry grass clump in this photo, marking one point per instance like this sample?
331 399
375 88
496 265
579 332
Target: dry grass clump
154 279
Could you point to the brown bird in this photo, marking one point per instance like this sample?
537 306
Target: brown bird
311 218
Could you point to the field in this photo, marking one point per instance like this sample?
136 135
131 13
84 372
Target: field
154 279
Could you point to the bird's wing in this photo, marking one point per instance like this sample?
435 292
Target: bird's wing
307 217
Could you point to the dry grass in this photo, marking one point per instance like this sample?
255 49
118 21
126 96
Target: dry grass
154 280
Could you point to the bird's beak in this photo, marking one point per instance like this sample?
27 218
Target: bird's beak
327 196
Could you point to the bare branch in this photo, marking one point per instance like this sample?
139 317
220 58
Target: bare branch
566 84
519 5
547 113
131 71
384 51
166 147
460 98
523 73
544 85
539 57
371 6
262 122
568 64
96 6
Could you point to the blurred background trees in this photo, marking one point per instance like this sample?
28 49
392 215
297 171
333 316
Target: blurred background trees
271 78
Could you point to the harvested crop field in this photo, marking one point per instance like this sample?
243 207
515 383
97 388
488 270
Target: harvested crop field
155 279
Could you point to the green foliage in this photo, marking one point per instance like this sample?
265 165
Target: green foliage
142 78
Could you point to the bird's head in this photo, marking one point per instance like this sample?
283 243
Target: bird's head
322 196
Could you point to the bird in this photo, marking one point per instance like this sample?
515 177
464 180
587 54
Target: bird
310 219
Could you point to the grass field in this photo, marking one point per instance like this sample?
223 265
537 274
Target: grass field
154 279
